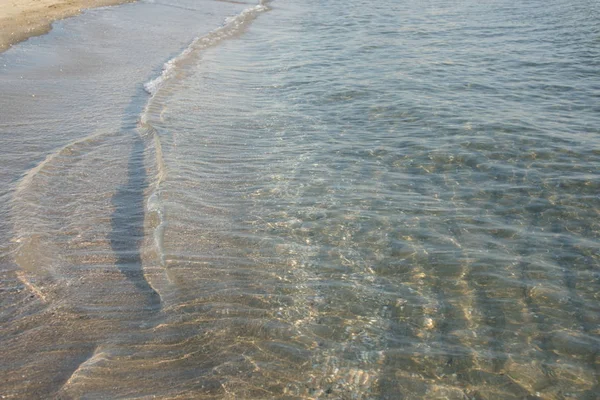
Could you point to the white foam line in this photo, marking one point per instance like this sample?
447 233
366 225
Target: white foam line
231 27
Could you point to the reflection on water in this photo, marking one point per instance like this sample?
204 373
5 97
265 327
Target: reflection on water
393 201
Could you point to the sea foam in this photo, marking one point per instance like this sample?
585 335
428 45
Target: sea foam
232 26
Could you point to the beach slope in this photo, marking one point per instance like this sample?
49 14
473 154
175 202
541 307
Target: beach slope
21 19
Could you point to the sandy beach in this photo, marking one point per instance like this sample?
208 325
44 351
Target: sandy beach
21 19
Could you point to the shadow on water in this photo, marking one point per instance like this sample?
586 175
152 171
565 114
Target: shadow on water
45 358
127 219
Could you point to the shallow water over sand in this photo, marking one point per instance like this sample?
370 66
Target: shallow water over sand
312 201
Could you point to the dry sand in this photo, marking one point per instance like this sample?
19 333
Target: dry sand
21 19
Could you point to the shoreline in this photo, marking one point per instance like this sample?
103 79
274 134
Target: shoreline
22 19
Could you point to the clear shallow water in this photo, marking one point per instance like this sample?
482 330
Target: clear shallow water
316 201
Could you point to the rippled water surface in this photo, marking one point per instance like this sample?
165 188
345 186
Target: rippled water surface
345 200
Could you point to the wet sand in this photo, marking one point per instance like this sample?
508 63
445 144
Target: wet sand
21 19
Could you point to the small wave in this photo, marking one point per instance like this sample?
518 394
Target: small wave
33 246
231 27
31 252
28 178
173 69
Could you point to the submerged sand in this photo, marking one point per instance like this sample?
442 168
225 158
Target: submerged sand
21 19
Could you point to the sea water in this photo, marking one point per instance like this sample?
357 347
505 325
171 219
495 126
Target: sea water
304 199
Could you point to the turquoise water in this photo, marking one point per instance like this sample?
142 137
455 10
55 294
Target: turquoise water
304 200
